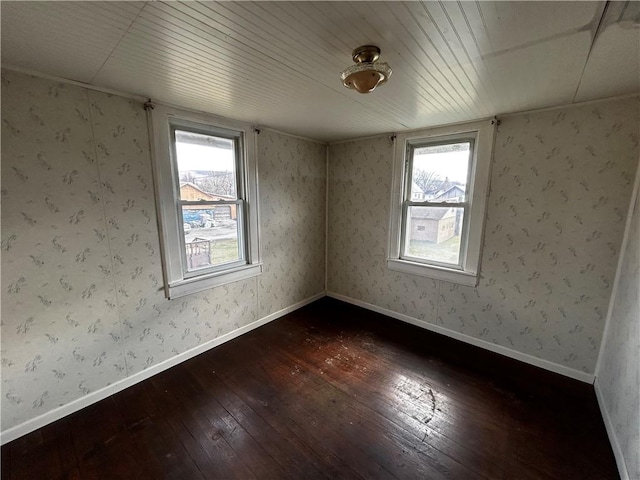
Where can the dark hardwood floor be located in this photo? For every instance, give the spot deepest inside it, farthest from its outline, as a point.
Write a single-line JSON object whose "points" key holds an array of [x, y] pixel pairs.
{"points": [[331, 391]]}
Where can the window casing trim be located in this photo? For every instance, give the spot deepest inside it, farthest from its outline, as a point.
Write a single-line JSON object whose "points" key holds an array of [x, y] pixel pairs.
{"points": [[176, 281], [477, 192]]}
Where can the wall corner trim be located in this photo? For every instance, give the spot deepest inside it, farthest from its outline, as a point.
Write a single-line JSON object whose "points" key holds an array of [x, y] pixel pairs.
{"points": [[492, 347], [611, 433], [94, 397]]}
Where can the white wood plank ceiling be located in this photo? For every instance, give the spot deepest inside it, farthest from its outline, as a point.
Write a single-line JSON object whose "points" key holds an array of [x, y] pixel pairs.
{"points": [[278, 63]]}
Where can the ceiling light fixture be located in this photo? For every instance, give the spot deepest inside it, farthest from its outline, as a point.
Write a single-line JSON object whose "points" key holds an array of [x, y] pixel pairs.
{"points": [[367, 73]]}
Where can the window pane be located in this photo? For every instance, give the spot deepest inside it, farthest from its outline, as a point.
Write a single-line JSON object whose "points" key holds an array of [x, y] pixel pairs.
{"points": [[433, 234], [211, 235], [440, 172], [206, 166]]}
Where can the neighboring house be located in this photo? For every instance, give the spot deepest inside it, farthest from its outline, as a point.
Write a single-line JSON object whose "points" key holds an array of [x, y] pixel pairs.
{"points": [[432, 224], [417, 194], [450, 193], [191, 192], [425, 229]]}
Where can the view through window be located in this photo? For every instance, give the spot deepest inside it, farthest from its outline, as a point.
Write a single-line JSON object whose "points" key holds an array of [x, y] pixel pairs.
{"points": [[210, 200], [436, 202]]}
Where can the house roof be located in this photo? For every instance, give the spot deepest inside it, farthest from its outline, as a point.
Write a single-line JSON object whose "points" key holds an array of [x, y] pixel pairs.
{"points": [[415, 188], [195, 187], [442, 193], [432, 213], [211, 196]]}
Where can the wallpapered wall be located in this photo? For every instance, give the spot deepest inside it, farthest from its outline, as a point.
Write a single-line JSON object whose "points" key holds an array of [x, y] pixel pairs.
{"points": [[561, 183], [619, 369], [82, 299]]}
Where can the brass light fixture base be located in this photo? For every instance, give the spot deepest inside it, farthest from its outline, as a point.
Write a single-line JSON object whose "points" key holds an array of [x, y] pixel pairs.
{"points": [[366, 53]]}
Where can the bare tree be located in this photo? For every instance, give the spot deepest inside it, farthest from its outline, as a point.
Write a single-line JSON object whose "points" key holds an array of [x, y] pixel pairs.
{"points": [[218, 183], [187, 177], [429, 182]]}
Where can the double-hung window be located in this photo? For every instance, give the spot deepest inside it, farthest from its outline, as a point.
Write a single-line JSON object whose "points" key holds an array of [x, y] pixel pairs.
{"points": [[205, 170], [440, 187]]}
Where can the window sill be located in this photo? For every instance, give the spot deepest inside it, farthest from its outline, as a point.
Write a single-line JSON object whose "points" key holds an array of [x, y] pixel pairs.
{"points": [[205, 282], [431, 271]]}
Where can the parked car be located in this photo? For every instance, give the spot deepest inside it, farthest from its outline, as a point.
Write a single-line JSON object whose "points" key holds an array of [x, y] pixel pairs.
{"points": [[199, 218], [186, 227]]}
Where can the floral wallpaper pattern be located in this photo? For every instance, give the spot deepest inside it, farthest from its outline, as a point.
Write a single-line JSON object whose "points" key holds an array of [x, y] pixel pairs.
{"points": [[619, 373], [292, 213], [561, 183], [82, 298]]}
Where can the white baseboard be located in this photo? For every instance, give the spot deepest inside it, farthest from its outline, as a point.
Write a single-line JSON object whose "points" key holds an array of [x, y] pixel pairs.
{"points": [[72, 407], [507, 352], [613, 438], [76, 405]]}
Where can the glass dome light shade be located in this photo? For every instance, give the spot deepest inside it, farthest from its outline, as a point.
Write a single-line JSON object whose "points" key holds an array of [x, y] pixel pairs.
{"points": [[365, 77]]}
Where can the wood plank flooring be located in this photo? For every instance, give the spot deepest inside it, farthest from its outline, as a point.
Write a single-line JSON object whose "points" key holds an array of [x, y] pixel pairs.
{"points": [[331, 391]]}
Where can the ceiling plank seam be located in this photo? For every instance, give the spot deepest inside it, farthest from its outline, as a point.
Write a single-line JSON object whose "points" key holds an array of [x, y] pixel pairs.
{"points": [[594, 39], [115, 47]]}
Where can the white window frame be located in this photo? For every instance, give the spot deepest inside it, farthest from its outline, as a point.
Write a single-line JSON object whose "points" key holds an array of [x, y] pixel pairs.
{"points": [[178, 280], [477, 191]]}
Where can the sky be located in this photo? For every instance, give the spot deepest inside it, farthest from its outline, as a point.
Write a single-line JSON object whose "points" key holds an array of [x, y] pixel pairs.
{"points": [[191, 156], [202, 157], [449, 164]]}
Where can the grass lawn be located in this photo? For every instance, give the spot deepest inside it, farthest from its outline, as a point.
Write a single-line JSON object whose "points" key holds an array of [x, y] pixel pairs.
{"points": [[446, 252], [223, 251]]}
